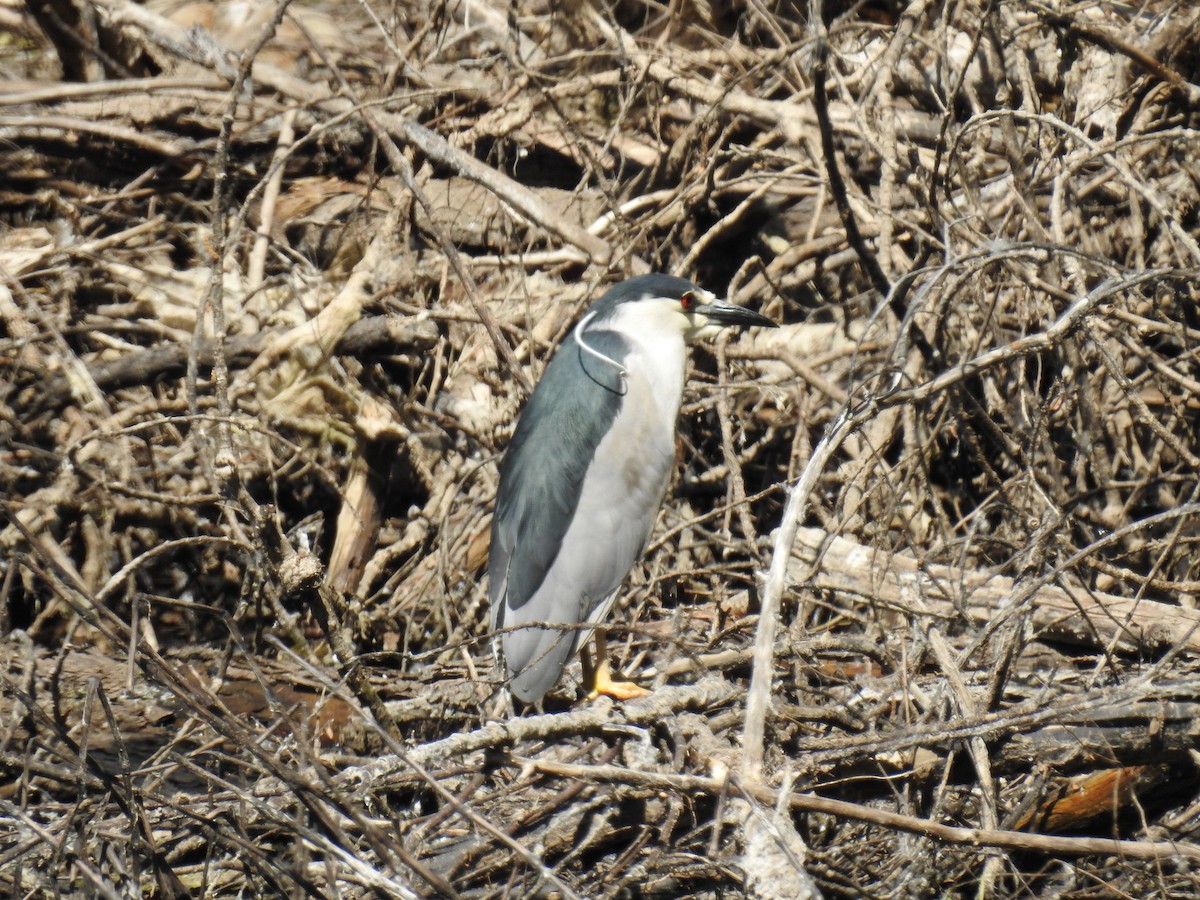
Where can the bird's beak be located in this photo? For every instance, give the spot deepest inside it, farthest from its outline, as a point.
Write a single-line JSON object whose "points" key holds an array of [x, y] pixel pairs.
{"points": [[723, 313]]}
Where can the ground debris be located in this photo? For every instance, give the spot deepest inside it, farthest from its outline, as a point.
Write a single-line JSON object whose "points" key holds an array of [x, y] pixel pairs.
{"points": [[274, 280]]}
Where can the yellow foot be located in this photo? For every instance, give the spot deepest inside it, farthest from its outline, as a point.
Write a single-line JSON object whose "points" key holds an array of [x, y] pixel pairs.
{"points": [[618, 690], [602, 683]]}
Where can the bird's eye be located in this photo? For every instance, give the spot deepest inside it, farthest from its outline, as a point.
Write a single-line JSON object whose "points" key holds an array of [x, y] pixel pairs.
{"points": [[688, 301]]}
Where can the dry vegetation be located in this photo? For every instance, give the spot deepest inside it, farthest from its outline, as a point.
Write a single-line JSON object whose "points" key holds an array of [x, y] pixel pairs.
{"points": [[273, 282]]}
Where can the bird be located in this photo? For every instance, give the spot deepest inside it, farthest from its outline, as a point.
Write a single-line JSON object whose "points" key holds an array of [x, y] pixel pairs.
{"points": [[585, 473]]}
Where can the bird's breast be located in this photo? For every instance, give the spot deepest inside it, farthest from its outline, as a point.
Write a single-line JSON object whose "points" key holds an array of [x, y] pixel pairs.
{"points": [[645, 428]]}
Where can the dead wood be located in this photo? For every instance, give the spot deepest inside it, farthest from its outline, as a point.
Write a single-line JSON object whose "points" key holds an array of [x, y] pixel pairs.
{"points": [[899, 588], [373, 336], [274, 280]]}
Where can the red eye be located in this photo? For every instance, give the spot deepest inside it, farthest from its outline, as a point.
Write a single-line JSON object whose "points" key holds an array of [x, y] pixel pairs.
{"points": [[687, 301]]}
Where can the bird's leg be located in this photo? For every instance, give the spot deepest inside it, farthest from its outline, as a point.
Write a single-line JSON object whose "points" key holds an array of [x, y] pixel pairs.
{"points": [[598, 677]]}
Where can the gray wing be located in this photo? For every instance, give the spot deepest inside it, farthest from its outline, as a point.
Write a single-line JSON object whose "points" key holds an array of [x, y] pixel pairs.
{"points": [[541, 478]]}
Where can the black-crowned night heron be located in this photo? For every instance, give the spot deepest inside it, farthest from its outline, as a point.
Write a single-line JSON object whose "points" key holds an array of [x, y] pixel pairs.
{"points": [[585, 474]]}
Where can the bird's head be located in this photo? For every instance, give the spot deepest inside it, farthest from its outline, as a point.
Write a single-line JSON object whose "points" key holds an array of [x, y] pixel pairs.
{"points": [[649, 305]]}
